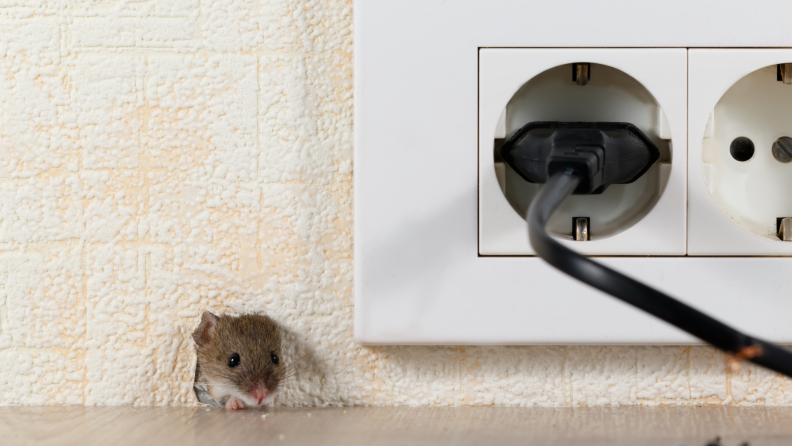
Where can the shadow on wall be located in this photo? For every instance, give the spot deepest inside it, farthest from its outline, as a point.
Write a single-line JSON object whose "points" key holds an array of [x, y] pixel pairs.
{"points": [[309, 380], [574, 376], [544, 376]]}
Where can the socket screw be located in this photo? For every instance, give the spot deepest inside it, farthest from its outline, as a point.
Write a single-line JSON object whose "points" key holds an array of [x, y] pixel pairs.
{"points": [[782, 149]]}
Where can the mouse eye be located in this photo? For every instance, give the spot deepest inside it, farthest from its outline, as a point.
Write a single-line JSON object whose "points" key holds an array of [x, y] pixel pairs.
{"points": [[234, 360], [275, 359]]}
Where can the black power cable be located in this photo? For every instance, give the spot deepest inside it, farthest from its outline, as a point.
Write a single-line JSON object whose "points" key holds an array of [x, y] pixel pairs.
{"points": [[560, 185]]}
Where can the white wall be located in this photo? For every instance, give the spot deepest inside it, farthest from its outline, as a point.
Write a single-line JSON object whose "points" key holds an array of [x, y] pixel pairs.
{"points": [[162, 157]]}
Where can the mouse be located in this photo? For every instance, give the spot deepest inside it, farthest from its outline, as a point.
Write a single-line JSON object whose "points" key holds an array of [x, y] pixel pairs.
{"points": [[239, 359]]}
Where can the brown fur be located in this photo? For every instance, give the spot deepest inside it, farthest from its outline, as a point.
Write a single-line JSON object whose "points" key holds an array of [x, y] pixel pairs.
{"points": [[253, 338]]}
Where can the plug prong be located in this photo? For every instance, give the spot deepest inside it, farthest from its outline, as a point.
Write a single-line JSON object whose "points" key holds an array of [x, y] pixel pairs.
{"points": [[785, 229], [581, 225]]}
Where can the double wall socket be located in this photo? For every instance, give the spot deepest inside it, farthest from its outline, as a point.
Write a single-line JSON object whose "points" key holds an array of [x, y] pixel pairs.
{"points": [[735, 206], [441, 247]]}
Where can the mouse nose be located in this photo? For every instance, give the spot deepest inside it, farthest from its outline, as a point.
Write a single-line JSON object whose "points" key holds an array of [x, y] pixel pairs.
{"points": [[259, 393]]}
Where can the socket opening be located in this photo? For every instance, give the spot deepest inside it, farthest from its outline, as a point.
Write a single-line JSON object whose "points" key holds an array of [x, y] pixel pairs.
{"points": [[607, 94], [752, 192]]}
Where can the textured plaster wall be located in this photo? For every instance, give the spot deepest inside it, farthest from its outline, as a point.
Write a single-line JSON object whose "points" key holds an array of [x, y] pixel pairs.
{"points": [[160, 157]]}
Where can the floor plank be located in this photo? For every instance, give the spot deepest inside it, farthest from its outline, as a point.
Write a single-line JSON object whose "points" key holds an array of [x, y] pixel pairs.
{"points": [[667, 426]]}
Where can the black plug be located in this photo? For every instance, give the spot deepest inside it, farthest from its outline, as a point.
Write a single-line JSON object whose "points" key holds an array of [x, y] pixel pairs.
{"points": [[600, 153]]}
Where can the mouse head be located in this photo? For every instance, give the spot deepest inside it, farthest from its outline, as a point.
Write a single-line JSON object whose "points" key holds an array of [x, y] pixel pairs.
{"points": [[240, 356]]}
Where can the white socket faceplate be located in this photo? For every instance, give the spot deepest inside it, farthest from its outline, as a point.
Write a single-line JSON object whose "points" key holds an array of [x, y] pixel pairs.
{"points": [[419, 278], [732, 205], [662, 72]]}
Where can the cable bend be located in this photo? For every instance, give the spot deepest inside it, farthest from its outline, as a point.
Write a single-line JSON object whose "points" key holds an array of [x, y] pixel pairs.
{"points": [[555, 191]]}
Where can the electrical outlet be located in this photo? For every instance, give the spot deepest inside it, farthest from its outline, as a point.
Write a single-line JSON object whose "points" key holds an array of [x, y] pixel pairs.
{"points": [[737, 200], [646, 87], [441, 253]]}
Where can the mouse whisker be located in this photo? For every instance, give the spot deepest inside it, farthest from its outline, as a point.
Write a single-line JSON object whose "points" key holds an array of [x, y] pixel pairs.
{"points": [[291, 365], [291, 375], [291, 370], [303, 356]]}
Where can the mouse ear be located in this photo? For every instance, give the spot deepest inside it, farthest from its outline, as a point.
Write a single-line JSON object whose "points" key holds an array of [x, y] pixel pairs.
{"points": [[206, 329]]}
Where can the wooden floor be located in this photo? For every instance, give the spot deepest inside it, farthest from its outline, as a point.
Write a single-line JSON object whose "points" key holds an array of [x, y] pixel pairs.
{"points": [[395, 426]]}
